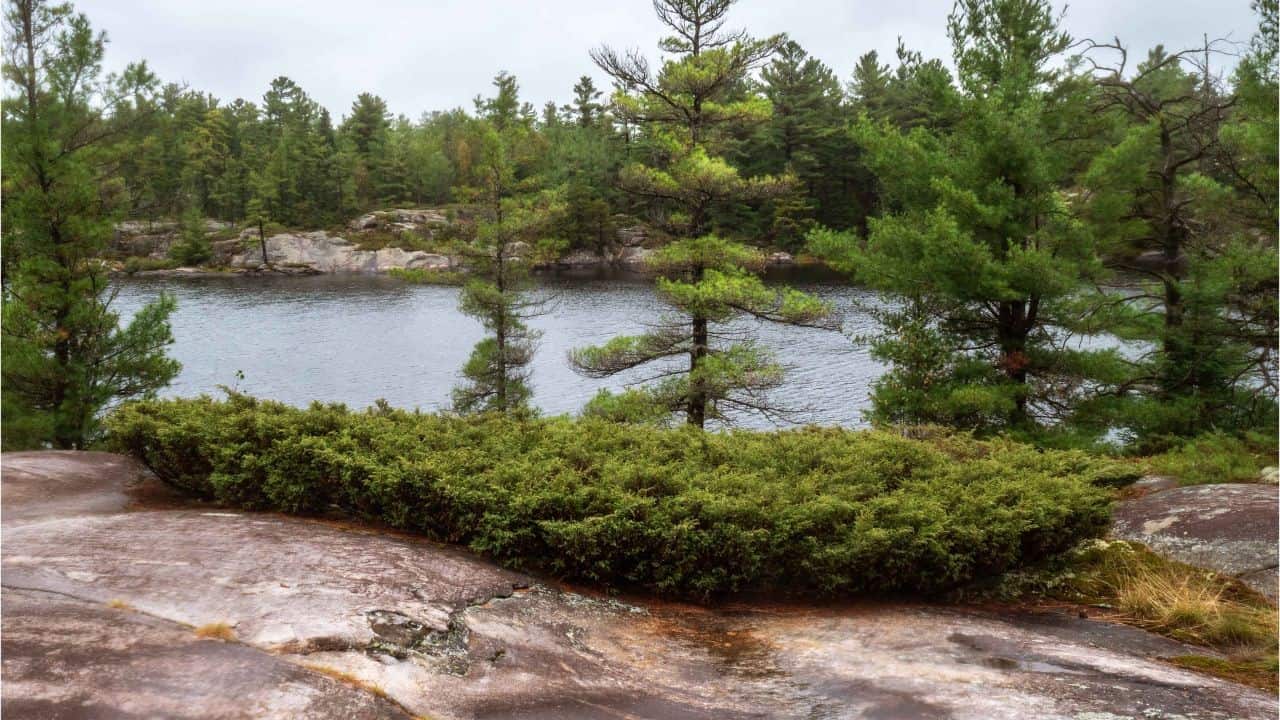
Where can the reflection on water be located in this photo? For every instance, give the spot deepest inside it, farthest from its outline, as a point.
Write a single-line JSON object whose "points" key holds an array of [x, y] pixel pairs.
{"points": [[357, 338]]}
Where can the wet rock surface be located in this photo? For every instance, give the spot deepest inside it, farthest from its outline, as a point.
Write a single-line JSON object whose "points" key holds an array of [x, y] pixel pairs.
{"points": [[1228, 528], [70, 658], [106, 574]]}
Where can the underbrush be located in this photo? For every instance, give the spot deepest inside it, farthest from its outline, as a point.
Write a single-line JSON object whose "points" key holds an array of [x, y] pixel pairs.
{"points": [[821, 511], [1217, 458], [430, 276], [141, 264], [379, 239], [1134, 585]]}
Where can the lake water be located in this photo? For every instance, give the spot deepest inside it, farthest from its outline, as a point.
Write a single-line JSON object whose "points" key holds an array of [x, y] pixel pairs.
{"points": [[358, 338]]}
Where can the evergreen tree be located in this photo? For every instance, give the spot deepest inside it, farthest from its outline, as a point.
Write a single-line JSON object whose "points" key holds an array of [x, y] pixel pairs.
{"points": [[368, 123], [65, 356], [208, 160], [499, 256], [503, 109], [869, 88], [978, 248], [1181, 183], [806, 137], [192, 247], [586, 106], [685, 108]]}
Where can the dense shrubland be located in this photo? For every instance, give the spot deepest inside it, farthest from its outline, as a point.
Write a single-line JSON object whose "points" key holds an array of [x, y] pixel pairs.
{"points": [[678, 511]]}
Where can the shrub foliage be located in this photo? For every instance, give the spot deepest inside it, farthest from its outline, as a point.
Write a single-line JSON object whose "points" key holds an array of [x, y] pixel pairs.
{"points": [[815, 510]]}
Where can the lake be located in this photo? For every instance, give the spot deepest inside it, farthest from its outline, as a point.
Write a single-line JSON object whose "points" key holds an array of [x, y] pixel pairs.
{"points": [[357, 338]]}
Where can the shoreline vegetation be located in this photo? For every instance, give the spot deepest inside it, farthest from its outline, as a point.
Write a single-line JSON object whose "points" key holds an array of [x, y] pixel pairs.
{"points": [[671, 510]]}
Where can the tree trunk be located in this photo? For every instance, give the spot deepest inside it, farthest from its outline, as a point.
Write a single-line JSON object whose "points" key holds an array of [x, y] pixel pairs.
{"points": [[697, 409], [1170, 238], [1015, 320], [697, 405], [262, 242]]}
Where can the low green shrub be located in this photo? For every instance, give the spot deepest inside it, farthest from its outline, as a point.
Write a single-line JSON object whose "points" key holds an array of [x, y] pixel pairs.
{"points": [[430, 276], [1216, 458], [140, 264], [405, 239], [815, 510]]}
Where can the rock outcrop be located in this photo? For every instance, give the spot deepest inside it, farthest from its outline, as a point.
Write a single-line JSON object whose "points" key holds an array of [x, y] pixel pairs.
{"points": [[110, 579], [322, 252], [327, 253], [146, 238], [399, 219], [1228, 528], [295, 252]]}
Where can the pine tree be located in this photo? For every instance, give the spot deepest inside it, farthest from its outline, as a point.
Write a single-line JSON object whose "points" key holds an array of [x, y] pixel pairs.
{"points": [[503, 109], [978, 247], [208, 158], [368, 123], [684, 108], [192, 247], [805, 135], [869, 87], [499, 257], [1183, 184], [65, 356], [586, 106]]}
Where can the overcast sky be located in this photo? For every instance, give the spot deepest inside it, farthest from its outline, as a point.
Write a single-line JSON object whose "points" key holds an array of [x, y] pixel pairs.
{"points": [[436, 54]]}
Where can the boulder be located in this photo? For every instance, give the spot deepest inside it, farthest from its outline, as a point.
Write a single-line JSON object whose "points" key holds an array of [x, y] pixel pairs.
{"points": [[326, 253], [400, 218], [634, 257], [1155, 261], [1227, 528], [108, 576], [146, 227], [368, 221], [632, 236], [581, 258], [781, 258], [153, 238]]}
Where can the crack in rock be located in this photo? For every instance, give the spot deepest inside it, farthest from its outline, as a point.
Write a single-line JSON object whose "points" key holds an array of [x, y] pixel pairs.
{"points": [[447, 643]]}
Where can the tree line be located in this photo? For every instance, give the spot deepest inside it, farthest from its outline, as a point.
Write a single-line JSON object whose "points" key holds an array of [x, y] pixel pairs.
{"points": [[996, 206]]}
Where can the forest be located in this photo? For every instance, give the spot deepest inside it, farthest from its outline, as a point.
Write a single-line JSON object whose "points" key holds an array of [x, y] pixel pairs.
{"points": [[1031, 190]]}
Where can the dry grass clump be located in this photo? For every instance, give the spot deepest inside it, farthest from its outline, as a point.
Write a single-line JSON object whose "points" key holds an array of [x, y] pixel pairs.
{"points": [[118, 604], [216, 631], [1193, 605], [1182, 602]]}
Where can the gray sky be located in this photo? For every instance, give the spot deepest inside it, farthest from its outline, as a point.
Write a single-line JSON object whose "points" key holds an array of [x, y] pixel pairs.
{"points": [[430, 55]]}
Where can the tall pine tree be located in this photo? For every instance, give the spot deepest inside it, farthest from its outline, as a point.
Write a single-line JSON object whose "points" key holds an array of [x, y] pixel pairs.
{"points": [[65, 355], [685, 108]]}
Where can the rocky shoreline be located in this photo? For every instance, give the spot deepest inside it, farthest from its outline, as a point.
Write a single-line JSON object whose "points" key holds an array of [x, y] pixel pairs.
{"points": [[319, 252]]}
